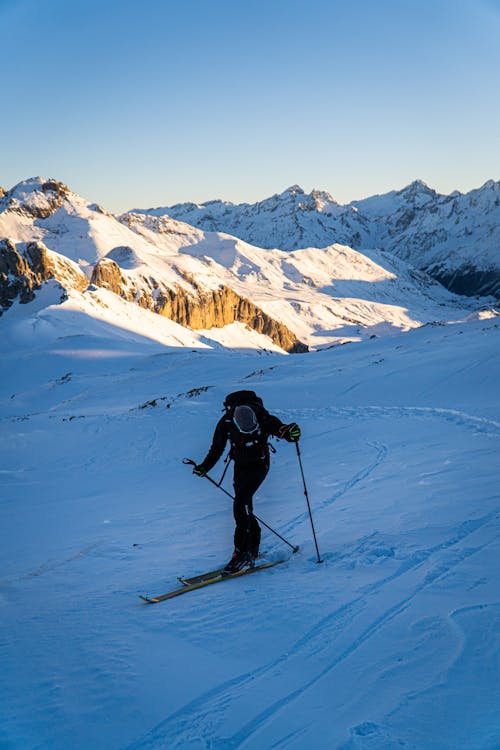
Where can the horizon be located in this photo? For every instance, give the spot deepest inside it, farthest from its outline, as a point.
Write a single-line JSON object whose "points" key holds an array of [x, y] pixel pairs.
{"points": [[45, 178], [159, 105]]}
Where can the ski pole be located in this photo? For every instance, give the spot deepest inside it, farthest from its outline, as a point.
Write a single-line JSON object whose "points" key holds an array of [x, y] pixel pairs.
{"points": [[307, 498], [294, 548]]}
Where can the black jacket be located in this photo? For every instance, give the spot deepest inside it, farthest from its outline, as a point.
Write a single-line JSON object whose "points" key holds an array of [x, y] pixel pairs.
{"points": [[245, 449]]}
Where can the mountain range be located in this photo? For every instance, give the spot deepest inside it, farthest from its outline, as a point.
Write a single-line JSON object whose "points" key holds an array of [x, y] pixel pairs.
{"points": [[212, 288], [455, 238]]}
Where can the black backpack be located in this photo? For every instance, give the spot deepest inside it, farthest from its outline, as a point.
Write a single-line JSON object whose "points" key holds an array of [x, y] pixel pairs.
{"points": [[242, 398], [257, 441]]}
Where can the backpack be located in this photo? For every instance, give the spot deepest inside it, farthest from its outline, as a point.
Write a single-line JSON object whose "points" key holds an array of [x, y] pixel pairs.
{"points": [[255, 443], [242, 398]]}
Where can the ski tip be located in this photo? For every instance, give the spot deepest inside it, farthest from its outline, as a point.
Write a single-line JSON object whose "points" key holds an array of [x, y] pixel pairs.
{"points": [[147, 599]]}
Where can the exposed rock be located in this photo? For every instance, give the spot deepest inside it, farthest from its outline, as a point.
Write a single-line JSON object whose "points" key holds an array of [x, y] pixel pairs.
{"points": [[196, 308], [99, 209], [54, 186], [108, 275], [222, 306], [23, 270], [14, 275]]}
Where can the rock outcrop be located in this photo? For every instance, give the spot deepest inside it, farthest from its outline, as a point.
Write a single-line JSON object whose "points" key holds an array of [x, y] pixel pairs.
{"points": [[25, 267], [107, 274], [194, 306]]}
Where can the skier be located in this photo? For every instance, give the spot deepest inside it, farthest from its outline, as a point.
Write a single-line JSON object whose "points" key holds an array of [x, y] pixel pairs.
{"points": [[247, 425]]}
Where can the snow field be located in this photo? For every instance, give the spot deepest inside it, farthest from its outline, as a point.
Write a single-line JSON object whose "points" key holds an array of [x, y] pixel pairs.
{"points": [[391, 642]]}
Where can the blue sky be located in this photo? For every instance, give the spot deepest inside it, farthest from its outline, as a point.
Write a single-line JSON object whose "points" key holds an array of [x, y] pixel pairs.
{"points": [[156, 102]]}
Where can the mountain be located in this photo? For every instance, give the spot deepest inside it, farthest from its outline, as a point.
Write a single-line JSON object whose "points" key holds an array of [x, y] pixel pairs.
{"points": [[47, 228], [289, 221], [455, 238], [207, 281]]}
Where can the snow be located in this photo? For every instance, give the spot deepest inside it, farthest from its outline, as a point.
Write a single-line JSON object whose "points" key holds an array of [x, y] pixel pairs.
{"points": [[391, 642]]}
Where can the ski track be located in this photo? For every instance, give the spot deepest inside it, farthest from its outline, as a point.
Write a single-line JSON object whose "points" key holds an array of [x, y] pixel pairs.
{"points": [[459, 418], [382, 451], [199, 721], [50, 565], [387, 736]]}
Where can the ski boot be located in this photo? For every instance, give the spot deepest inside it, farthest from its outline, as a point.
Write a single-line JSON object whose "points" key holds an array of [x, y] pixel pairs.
{"points": [[238, 561]]}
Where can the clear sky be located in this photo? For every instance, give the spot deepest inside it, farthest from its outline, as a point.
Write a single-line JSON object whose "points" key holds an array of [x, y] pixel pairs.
{"points": [[138, 104]]}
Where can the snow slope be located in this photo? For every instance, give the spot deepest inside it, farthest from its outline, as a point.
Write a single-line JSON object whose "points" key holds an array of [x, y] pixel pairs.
{"points": [[100, 316], [391, 642]]}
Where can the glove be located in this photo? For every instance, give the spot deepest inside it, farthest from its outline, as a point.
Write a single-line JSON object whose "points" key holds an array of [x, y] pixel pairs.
{"points": [[290, 432], [199, 470]]}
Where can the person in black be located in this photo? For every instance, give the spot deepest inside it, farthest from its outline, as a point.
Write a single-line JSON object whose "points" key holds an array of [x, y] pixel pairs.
{"points": [[248, 426]]}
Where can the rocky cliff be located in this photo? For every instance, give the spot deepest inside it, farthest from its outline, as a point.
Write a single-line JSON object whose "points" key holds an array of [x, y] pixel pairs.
{"points": [[26, 266], [192, 305]]}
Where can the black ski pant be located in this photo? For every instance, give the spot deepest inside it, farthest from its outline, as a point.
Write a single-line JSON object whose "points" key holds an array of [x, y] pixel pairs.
{"points": [[247, 479]]}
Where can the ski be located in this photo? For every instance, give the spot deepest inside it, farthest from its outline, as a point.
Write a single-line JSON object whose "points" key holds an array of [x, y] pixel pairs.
{"points": [[203, 576], [208, 581]]}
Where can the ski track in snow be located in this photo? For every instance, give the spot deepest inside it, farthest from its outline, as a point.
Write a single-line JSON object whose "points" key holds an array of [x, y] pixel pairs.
{"points": [[199, 721], [50, 565], [399, 730], [478, 424], [459, 418], [382, 451]]}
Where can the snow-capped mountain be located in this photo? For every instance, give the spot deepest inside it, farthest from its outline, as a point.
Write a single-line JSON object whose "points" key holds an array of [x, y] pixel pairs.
{"points": [[455, 238], [43, 219], [207, 280], [290, 221]]}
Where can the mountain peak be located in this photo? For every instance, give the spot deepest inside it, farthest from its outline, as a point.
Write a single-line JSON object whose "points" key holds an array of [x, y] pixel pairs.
{"points": [[490, 185], [35, 197], [293, 190], [417, 192], [318, 199], [418, 186], [23, 190]]}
